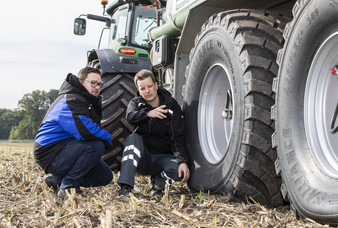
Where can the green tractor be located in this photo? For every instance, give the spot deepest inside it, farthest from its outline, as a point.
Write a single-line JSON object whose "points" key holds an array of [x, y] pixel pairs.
{"points": [[257, 81], [128, 52]]}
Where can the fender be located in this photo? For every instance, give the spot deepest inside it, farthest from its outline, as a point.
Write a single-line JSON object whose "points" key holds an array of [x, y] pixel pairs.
{"points": [[111, 62]]}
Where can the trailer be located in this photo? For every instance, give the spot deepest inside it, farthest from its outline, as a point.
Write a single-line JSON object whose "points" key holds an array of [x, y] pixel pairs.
{"points": [[257, 81]]}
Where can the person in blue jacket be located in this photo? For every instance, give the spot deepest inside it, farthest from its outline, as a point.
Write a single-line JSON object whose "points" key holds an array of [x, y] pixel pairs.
{"points": [[70, 141]]}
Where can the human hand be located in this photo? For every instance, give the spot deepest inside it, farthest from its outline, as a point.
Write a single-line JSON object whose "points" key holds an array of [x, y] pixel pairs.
{"points": [[159, 112], [183, 168]]}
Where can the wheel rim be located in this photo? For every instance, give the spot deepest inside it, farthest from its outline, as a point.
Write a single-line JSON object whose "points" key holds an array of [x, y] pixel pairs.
{"points": [[321, 96], [214, 131]]}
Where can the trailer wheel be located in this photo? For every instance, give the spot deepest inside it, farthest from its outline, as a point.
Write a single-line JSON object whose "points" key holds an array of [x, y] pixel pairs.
{"points": [[227, 102], [306, 111]]}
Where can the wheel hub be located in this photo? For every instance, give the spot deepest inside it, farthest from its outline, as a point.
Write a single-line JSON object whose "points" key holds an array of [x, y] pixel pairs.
{"points": [[321, 108], [215, 114]]}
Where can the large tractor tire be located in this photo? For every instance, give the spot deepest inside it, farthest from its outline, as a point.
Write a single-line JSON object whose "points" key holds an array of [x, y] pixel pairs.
{"points": [[227, 102], [117, 91], [306, 111]]}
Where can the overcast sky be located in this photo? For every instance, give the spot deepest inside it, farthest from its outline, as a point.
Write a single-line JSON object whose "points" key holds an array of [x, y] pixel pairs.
{"points": [[37, 45]]}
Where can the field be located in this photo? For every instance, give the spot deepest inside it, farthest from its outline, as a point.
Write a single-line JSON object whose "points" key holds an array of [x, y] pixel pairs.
{"points": [[26, 202]]}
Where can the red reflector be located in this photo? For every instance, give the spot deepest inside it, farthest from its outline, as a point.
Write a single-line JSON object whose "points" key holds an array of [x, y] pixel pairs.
{"points": [[127, 51], [147, 7]]}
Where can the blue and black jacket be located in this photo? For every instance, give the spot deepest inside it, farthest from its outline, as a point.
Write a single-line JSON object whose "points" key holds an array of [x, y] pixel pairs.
{"points": [[75, 114]]}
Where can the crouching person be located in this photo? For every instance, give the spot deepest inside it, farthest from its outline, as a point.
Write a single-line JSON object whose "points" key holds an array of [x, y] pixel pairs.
{"points": [[70, 142], [157, 147]]}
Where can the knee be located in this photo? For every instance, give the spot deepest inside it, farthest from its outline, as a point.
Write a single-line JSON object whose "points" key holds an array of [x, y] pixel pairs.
{"points": [[96, 148], [99, 146], [106, 173], [135, 142], [108, 178], [172, 172], [134, 137]]}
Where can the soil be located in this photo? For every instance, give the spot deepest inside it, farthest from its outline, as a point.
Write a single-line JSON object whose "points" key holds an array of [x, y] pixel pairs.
{"points": [[25, 201]]}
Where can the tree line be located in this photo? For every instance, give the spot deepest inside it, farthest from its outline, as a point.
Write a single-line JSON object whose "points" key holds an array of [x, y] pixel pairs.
{"points": [[23, 122]]}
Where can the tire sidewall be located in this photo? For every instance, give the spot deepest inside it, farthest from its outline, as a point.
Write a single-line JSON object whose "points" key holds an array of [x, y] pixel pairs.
{"points": [[214, 47], [309, 189]]}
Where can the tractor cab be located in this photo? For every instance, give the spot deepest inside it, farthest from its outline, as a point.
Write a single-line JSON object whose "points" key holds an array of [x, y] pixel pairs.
{"points": [[131, 23], [128, 23]]}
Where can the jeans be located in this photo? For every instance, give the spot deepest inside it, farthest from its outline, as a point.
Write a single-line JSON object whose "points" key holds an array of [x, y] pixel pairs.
{"points": [[79, 163], [162, 167]]}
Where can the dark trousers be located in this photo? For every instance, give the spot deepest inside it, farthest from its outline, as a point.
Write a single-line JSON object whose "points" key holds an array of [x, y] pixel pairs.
{"points": [[79, 163], [162, 167]]}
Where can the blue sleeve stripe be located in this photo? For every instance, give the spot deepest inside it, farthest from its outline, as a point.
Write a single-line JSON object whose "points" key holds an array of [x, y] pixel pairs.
{"points": [[66, 120], [95, 129]]}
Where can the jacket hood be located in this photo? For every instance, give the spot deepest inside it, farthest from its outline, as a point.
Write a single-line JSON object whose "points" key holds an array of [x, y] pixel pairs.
{"points": [[73, 85]]}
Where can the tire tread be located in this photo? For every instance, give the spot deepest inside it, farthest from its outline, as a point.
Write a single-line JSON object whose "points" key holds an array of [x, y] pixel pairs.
{"points": [[258, 36]]}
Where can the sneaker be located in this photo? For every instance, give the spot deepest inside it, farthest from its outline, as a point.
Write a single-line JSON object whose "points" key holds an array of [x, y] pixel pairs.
{"points": [[125, 190], [156, 192], [65, 192], [49, 179], [152, 182]]}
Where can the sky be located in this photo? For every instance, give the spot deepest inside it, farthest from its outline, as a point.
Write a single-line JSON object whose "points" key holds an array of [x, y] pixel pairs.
{"points": [[37, 45]]}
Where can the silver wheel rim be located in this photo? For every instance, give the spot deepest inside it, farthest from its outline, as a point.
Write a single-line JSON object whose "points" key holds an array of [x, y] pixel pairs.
{"points": [[321, 97], [214, 131]]}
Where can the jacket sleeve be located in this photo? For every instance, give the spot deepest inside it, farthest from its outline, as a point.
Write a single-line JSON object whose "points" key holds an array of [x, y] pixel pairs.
{"points": [[137, 112], [177, 134], [75, 118]]}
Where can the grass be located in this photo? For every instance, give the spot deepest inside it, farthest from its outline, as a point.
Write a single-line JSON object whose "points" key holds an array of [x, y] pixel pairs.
{"points": [[25, 201], [17, 144]]}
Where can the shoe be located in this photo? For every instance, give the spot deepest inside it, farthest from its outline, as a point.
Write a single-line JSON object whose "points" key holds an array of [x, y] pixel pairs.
{"points": [[64, 192], [151, 182], [156, 192], [125, 190], [49, 179]]}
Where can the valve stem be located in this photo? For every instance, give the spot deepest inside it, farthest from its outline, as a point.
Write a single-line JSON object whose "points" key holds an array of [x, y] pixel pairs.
{"points": [[334, 71]]}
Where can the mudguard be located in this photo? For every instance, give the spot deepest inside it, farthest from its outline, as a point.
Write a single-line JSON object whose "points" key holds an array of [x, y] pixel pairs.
{"points": [[111, 62]]}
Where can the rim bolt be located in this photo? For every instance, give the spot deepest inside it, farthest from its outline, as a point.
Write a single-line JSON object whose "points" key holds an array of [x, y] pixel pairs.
{"points": [[227, 114]]}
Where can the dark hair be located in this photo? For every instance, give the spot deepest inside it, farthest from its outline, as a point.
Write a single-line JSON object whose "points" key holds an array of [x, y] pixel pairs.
{"points": [[143, 74], [83, 73]]}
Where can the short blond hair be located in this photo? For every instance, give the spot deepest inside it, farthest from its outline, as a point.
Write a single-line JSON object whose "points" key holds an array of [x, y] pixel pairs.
{"points": [[143, 74]]}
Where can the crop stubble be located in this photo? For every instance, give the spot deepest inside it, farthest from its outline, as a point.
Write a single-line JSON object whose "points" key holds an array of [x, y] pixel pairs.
{"points": [[25, 201]]}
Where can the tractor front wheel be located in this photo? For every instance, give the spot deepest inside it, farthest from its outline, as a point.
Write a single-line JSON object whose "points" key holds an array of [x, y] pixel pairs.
{"points": [[116, 93]]}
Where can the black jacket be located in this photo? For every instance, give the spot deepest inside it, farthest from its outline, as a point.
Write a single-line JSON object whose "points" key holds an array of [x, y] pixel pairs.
{"points": [[75, 114], [160, 136]]}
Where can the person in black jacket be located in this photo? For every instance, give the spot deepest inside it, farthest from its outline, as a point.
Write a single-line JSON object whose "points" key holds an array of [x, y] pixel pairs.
{"points": [[70, 141], [157, 146]]}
